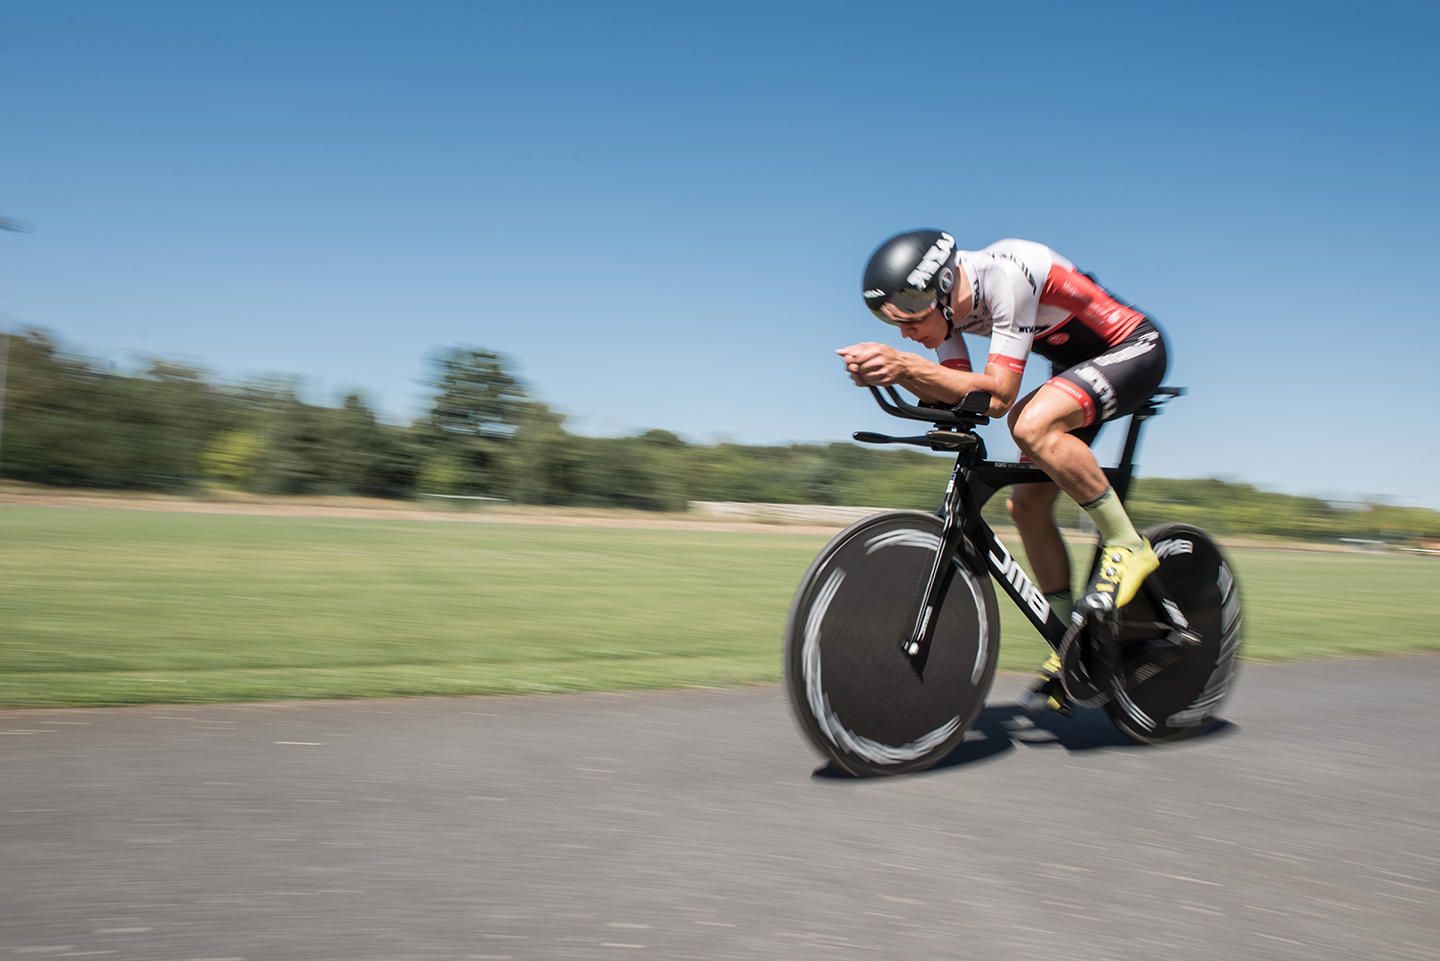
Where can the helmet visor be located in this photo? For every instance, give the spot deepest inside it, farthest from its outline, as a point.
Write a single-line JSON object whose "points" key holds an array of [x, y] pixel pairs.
{"points": [[906, 299]]}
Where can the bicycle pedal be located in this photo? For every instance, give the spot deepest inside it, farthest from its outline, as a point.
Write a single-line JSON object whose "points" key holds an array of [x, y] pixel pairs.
{"points": [[1183, 637], [1046, 696]]}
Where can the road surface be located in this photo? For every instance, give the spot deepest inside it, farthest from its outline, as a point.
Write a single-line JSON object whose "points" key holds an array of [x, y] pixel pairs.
{"points": [[694, 825]]}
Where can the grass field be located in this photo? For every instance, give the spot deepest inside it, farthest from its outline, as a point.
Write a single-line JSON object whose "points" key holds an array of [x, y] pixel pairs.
{"points": [[114, 607]]}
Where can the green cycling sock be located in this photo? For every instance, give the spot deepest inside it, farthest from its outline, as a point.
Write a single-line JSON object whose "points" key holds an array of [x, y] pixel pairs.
{"points": [[1113, 523], [1062, 603]]}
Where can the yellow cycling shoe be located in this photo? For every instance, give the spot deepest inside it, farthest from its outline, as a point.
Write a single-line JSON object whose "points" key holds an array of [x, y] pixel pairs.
{"points": [[1122, 571], [1046, 692]]}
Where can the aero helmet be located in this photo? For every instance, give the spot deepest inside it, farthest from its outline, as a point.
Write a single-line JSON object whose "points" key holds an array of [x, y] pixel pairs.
{"points": [[907, 270]]}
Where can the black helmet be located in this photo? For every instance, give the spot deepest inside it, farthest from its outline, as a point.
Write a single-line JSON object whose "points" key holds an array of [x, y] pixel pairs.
{"points": [[907, 270]]}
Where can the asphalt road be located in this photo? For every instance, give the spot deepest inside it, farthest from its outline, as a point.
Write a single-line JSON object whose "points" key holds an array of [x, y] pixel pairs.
{"points": [[693, 824]]}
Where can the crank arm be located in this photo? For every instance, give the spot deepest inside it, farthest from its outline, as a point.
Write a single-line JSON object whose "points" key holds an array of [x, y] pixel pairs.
{"points": [[1183, 637], [1181, 634]]}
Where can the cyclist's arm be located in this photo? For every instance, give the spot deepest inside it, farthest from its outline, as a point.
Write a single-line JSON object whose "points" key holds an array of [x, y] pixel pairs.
{"points": [[880, 365], [930, 381]]}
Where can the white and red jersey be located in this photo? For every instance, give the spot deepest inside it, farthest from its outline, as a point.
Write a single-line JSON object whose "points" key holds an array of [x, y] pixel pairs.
{"points": [[1029, 299]]}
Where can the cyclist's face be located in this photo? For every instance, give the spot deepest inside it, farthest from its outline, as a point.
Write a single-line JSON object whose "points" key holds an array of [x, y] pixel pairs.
{"points": [[928, 329]]}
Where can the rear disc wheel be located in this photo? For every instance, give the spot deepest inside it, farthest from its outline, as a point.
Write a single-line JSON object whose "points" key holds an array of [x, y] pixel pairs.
{"points": [[1165, 692]]}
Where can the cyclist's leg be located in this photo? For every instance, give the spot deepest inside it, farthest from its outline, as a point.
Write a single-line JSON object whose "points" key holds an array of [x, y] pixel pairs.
{"points": [[1042, 423], [1043, 431], [1108, 386], [1032, 508]]}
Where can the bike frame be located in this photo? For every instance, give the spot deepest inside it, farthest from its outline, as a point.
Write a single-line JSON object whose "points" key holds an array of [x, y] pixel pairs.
{"points": [[973, 482]]}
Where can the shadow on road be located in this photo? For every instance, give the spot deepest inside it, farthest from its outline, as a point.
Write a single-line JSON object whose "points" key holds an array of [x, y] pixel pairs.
{"points": [[1000, 727]]}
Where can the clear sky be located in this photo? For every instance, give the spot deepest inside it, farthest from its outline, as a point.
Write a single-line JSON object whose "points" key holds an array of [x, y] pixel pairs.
{"points": [[660, 211]]}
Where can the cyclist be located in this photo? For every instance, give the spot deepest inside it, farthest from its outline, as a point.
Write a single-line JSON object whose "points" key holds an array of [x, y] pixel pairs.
{"points": [[1106, 357]]}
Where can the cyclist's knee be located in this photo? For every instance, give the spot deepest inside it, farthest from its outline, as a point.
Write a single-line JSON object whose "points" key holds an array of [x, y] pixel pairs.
{"points": [[1049, 415], [1030, 430], [1021, 512]]}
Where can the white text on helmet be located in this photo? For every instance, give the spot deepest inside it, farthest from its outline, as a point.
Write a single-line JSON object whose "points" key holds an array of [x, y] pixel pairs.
{"points": [[938, 253]]}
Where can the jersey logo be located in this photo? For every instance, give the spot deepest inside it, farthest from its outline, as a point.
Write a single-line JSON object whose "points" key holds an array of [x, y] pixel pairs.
{"points": [[937, 254], [1057, 339], [1034, 287]]}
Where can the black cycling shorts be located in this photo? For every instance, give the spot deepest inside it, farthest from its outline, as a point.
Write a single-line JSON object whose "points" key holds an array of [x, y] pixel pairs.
{"points": [[1117, 382]]}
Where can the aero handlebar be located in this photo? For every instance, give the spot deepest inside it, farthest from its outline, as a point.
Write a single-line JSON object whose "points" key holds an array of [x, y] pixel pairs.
{"points": [[970, 411]]}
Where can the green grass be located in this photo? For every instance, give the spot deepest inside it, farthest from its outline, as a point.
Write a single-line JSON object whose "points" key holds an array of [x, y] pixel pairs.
{"points": [[1300, 605], [114, 607]]}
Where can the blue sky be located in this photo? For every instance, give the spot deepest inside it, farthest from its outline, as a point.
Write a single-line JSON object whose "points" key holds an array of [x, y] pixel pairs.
{"points": [[660, 212]]}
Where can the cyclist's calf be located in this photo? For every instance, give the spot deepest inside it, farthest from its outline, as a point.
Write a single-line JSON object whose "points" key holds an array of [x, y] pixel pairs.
{"points": [[1029, 503], [1031, 506]]}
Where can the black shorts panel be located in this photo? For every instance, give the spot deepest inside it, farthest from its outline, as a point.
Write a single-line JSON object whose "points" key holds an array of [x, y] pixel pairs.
{"points": [[1118, 381]]}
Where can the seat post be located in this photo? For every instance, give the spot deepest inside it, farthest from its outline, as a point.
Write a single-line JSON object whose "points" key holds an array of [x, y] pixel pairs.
{"points": [[1126, 467]]}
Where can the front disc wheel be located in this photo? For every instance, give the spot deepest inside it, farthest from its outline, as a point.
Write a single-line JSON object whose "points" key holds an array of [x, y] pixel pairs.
{"points": [[854, 690]]}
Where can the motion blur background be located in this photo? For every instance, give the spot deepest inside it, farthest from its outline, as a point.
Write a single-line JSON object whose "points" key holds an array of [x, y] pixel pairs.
{"points": [[293, 265], [657, 213]]}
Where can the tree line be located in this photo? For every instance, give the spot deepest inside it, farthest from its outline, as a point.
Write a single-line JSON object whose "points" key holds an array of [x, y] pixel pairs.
{"points": [[167, 426]]}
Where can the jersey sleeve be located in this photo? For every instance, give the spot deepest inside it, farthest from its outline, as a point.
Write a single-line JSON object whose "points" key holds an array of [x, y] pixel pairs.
{"points": [[953, 353], [1013, 303]]}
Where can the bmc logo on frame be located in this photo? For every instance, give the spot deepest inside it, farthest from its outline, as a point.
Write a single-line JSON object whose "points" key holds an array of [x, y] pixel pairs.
{"points": [[1008, 569]]}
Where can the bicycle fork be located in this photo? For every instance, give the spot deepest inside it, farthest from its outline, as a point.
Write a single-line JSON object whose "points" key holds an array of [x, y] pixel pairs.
{"points": [[917, 646], [960, 519], [959, 515]]}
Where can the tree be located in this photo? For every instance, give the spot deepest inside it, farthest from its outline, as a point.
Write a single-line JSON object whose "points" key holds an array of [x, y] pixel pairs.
{"points": [[234, 457], [478, 410], [545, 462], [71, 423], [477, 396]]}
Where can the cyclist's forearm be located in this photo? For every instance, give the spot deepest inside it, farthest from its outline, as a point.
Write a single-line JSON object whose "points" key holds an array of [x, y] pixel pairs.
{"points": [[932, 382]]}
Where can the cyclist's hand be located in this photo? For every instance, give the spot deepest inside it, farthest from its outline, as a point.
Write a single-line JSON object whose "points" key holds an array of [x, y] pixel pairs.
{"points": [[873, 365]]}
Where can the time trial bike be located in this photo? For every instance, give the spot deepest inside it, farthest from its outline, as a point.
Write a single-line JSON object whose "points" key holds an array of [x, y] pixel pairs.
{"points": [[893, 636]]}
